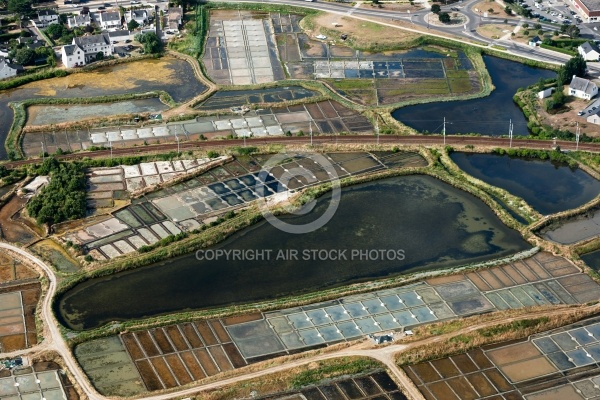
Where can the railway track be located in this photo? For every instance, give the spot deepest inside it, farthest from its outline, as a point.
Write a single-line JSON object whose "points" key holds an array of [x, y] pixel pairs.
{"points": [[421, 140]]}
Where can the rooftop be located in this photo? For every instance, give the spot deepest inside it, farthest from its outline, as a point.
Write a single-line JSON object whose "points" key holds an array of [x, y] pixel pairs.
{"points": [[582, 84], [102, 38], [591, 5], [588, 47]]}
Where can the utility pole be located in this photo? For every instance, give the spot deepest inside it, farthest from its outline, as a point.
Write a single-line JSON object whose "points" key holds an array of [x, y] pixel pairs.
{"points": [[110, 144], [311, 132], [377, 129], [577, 138], [444, 131], [510, 132], [43, 152]]}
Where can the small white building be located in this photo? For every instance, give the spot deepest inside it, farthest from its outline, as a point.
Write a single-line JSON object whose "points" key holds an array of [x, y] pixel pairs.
{"points": [[546, 93], [79, 20], [140, 16], [93, 44], [535, 41], [594, 119], [110, 20], [8, 70], [72, 56], [588, 51], [46, 17], [582, 88]]}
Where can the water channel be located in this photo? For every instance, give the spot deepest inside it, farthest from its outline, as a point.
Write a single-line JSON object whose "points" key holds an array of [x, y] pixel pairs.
{"points": [[432, 223], [546, 186], [487, 115]]}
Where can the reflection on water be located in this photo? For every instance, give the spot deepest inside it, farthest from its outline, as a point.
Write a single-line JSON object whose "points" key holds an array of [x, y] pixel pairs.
{"points": [[487, 115], [434, 224], [592, 260], [547, 186]]}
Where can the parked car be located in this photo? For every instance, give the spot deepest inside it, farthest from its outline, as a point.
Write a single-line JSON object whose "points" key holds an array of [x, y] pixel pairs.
{"points": [[580, 113], [128, 41], [454, 8]]}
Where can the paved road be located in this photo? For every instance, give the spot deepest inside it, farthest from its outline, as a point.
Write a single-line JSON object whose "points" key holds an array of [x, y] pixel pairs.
{"points": [[53, 339]]}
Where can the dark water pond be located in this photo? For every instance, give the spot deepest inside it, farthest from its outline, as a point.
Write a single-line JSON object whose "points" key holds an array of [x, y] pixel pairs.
{"points": [[488, 115], [548, 187], [236, 98], [592, 260], [435, 224], [118, 79]]}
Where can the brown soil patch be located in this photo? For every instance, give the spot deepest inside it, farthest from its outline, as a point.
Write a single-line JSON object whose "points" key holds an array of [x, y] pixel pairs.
{"points": [[11, 271], [514, 353], [498, 10], [494, 31], [523, 370], [124, 76], [568, 120], [361, 34], [13, 231]]}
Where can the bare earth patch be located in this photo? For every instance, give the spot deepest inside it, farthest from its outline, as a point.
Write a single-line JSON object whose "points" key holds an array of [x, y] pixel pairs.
{"points": [[361, 34], [395, 7], [494, 31], [497, 9], [568, 120]]}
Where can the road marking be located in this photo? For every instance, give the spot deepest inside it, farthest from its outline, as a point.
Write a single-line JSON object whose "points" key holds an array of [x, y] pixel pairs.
{"points": [[358, 4]]}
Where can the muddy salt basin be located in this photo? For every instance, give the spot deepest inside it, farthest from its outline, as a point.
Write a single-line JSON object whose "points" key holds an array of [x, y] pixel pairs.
{"points": [[56, 114]]}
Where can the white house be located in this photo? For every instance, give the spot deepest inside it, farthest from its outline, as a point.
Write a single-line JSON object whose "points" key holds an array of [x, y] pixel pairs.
{"points": [[72, 56], [582, 88], [110, 20], [8, 70], [594, 119], [140, 16], [92, 45], [118, 36], [46, 17], [588, 51], [535, 41], [79, 20], [545, 93]]}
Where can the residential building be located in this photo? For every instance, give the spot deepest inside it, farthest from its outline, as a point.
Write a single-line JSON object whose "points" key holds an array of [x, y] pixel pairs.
{"points": [[8, 70], [93, 44], [535, 41], [118, 36], [588, 51], [79, 20], [175, 18], [582, 88], [46, 17], [110, 20], [140, 16], [594, 118], [72, 56]]}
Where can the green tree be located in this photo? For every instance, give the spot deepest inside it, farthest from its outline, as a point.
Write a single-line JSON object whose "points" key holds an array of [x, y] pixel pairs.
{"points": [[132, 25], [508, 10], [20, 7], [152, 43], [55, 31], [444, 17], [573, 31], [537, 26], [575, 66], [436, 8], [99, 56], [24, 56]]}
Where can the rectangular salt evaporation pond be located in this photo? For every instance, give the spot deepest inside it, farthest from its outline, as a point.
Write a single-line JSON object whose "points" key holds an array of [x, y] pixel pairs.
{"points": [[56, 114]]}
